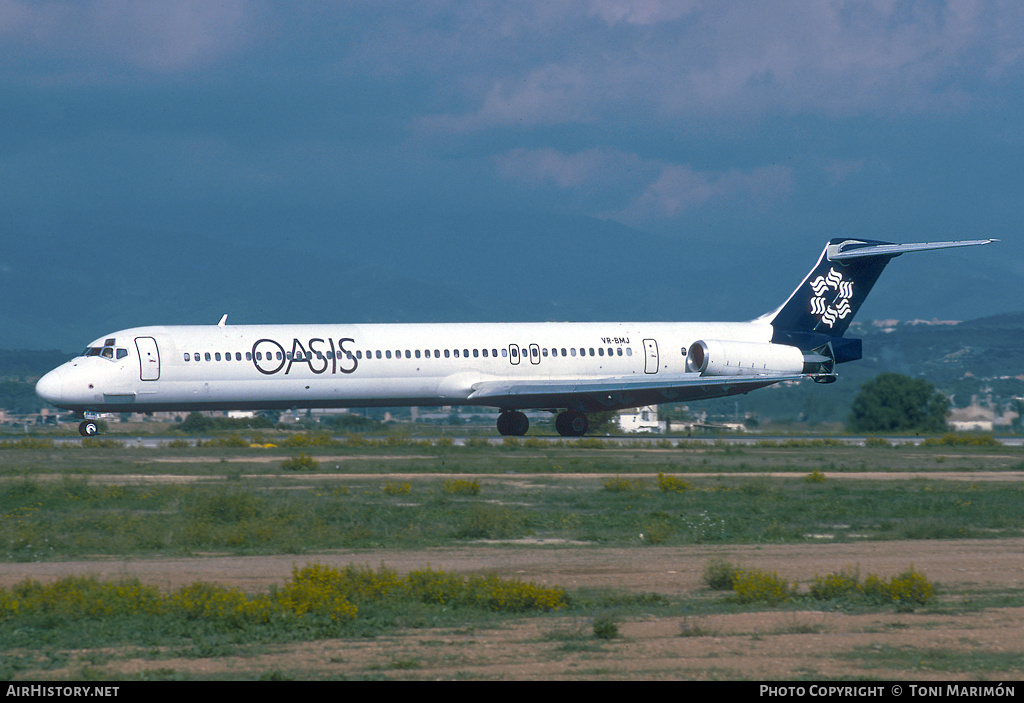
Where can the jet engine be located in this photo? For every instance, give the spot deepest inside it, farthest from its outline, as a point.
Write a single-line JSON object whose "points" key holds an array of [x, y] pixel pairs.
{"points": [[720, 358]]}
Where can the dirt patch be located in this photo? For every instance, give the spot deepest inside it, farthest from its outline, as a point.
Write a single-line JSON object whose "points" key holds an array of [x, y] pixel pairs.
{"points": [[960, 644]]}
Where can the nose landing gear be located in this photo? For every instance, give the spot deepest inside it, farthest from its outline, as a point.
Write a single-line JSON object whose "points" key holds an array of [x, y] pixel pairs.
{"points": [[89, 428]]}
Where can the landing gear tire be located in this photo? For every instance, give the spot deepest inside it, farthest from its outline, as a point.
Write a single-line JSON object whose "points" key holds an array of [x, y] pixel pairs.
{"points": [[571, 424], [89, 428], [513, 424]]}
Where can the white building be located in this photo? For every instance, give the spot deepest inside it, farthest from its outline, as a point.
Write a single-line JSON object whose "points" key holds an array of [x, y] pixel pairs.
{"points": [[643, 419]]}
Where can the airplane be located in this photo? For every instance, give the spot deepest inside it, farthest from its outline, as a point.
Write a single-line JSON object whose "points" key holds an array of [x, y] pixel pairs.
{"points": [[568, 368]]}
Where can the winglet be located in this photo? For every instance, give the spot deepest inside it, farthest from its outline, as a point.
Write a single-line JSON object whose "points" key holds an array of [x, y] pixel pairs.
{"points": [[223, 320], [849, 250]]}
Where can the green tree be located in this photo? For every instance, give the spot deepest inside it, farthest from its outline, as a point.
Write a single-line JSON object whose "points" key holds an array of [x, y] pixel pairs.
{"points": [[892, 402]]}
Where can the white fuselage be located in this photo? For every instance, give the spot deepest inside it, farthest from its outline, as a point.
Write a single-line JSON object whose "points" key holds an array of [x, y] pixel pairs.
{"points": [[283, 366]]}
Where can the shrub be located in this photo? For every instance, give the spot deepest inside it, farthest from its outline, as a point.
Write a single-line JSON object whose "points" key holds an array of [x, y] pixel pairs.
{"points": [[836, 586], [906, 589], [231, 440], [309, 439], [621, 485], [954, 440], [672, 484], [491, 522], [756, 586], [462, 486], [605, 627], [397, 488], [815, 477], [482, 591], [302, 462], [720, 575]]}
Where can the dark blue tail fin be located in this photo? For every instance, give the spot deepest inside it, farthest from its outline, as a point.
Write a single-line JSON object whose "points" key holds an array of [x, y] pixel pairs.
{"points": [[822, 307]]}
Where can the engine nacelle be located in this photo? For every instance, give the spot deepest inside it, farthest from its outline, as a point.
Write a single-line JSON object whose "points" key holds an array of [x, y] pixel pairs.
{"points": [[719, 358]]}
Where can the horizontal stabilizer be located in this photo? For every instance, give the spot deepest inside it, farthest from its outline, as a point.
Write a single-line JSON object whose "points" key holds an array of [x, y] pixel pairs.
{"points": [[849, 250]]}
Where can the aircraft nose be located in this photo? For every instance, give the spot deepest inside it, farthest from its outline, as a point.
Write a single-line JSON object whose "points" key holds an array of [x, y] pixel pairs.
{"points": [[50, 387]]}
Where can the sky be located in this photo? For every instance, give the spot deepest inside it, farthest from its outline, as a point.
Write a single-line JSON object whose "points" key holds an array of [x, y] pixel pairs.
{"points": [[155, 130]]}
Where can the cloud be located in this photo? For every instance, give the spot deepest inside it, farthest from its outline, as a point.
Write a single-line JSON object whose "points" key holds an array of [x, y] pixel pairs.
{"points": [[646, 190], [679, 189], [150, 35], [588, 168], [704, 60]]}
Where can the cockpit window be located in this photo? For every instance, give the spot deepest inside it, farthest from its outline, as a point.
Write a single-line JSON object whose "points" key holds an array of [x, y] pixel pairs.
{"points": [[107, 352]]}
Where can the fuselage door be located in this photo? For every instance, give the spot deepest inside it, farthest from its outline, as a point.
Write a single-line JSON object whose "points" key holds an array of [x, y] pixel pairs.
{"points": [[513, 353], [535, 354], [149, 358], [650, 356]]}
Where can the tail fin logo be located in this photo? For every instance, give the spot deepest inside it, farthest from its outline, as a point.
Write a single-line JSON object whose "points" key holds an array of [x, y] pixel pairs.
{"points": [[838, 308]]}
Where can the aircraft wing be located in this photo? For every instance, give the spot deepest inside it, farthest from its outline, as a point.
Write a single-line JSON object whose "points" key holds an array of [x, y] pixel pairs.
{"points": [[617, 392]]}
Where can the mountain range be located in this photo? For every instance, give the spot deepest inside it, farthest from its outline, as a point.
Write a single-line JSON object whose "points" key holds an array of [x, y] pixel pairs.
{"points": [[434, 267]]}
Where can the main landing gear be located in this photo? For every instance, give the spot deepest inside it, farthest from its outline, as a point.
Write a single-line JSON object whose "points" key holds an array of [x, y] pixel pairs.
{"points": [[571, 424], [512, 423], [89, 428]]}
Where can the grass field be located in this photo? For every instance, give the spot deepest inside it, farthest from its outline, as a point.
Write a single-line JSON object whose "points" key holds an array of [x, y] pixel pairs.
{"points": [[109, 499], [68, 501]]}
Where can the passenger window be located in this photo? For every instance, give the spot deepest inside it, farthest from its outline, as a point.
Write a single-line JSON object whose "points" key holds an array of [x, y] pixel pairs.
{"points": [[186, 356], [447, 353], [207, 355]]}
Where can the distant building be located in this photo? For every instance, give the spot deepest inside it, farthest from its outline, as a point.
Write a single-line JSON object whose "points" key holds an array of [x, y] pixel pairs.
{"points": [[643, 419]]}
